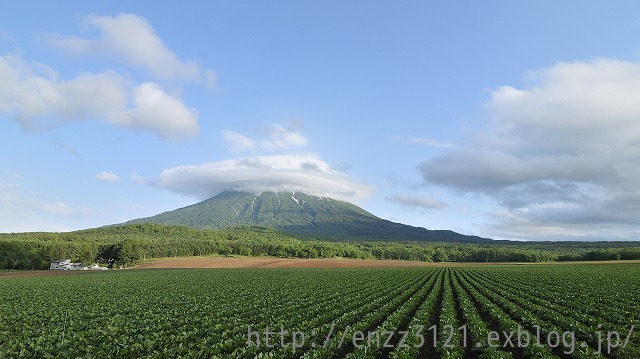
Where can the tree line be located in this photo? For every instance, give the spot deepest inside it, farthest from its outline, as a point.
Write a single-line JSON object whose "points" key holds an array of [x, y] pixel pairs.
{"points": [[119, 247]]}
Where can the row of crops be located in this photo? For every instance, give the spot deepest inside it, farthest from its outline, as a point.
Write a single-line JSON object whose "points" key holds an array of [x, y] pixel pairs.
{"points": [[555, 311]]}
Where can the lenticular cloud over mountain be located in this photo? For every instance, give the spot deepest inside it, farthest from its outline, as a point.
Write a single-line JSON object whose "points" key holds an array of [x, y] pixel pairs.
{"points": [[277, 173]]}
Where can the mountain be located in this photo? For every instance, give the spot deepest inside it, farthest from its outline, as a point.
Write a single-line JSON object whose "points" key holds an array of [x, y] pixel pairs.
{"points": [[300, 214]]}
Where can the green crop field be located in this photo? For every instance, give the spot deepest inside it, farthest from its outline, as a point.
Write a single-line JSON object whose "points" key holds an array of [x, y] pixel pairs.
{"points": [[563, 311]]}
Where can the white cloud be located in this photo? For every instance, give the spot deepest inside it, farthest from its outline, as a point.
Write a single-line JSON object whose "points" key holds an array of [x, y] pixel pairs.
{"points": [[560, 156], [277, 138], [159, 112], [34, 95], [137, 179], [423, 202], [292, 173], [107, 177], [131, 38], [34, 91], [58, 208], [237, 142], [26, 210], [283, 138], [4, 185]]}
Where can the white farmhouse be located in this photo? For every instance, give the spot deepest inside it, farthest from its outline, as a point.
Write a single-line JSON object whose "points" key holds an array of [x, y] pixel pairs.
{"points": [[66, 264], [61, 264]]}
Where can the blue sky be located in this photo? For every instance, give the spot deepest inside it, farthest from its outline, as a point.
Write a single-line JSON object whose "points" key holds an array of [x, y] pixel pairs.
{"points": [[503, 119]]}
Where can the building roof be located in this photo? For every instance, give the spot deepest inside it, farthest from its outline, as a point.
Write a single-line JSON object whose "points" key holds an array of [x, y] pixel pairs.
{"points": [[61, 260]]}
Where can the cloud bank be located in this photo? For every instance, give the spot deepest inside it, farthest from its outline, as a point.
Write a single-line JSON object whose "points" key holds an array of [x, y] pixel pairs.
{"points": [[34, 95], [37, 96], [560, 158], [107, 177], [58, 208], [412, 201], [131, 39], [158, 111], [276, 137], [23, 210], [291, 173]]}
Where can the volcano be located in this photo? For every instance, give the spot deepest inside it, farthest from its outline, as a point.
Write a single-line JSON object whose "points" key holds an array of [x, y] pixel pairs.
{"points": [[299, 214]]}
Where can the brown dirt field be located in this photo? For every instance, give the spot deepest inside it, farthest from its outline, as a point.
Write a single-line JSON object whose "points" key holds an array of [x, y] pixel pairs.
{"points": [[271, 262]]}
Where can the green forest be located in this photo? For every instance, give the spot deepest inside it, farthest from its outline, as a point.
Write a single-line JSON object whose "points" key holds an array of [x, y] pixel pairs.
{"points": [[124, 246]]}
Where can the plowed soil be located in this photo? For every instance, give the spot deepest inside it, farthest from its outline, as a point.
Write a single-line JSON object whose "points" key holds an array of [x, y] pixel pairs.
{"points": [[269, 262]]}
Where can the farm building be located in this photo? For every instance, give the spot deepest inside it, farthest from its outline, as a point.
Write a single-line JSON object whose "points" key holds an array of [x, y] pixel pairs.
{"points": [[66, 264], [62, 264]]}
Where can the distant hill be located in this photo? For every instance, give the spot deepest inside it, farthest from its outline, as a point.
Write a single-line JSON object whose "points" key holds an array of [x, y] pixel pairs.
{"points": [[300, 214]]}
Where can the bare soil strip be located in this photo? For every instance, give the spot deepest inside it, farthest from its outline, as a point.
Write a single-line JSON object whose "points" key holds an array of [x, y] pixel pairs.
{"points": [[270, 262], [274, 262]]}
